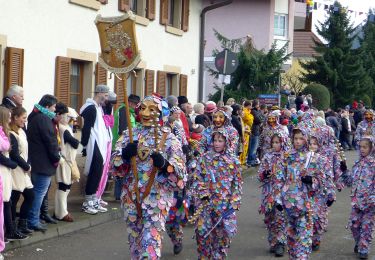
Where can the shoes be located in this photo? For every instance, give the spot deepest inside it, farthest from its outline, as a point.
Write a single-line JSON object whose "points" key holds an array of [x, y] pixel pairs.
{"points": [[177, 249], [103, 203], [16, 236], [88, 207], [40, 227], [6, 241], [1, 257], [68, 218], [22, 227], [48, 219], [356, 249], [99, 207], [363, 256], [272, 249], [315, 247], [279, 250]]}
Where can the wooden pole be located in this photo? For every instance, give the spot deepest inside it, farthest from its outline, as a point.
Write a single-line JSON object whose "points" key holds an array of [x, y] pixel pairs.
{"points": [[133, 159]]}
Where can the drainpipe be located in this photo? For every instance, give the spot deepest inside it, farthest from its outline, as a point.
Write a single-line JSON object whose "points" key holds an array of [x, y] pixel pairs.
{"points": [[201, 41]]}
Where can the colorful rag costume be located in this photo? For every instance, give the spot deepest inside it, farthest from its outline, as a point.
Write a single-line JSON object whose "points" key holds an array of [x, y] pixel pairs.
{"points": [[271, 174], [217, 180], [361, 179], [365, 128], [206, 142], [155, 186], [297, 199]]}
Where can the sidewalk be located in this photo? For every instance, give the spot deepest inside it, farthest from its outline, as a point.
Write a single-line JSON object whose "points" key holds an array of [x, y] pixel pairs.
{"points": [[81, 221]]}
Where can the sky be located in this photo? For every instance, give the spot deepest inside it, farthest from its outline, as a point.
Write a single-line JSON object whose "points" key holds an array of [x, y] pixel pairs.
{"points": [[358, 5]]}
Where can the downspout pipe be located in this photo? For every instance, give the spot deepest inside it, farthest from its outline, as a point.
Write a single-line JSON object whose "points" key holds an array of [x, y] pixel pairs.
{"points": [[201, 41]]}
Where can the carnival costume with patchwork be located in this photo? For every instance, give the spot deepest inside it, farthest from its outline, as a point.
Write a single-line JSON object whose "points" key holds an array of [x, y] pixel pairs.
{"points": [[272, 126], [206, 142], [271, 174], [361, 179], [160, 170], [366, 127], [302, 179], [217, 185]]}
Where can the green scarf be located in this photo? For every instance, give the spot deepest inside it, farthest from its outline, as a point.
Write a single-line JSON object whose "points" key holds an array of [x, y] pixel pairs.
{"points": [[45, 111]]}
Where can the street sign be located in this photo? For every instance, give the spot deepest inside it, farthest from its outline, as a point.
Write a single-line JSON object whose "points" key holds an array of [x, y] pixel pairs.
{"points": [[269, 99], [226, 62]]}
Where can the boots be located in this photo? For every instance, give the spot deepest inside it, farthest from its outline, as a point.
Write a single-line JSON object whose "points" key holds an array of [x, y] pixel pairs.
{"points": [[22, 227], [44, 212], [61, 204]]}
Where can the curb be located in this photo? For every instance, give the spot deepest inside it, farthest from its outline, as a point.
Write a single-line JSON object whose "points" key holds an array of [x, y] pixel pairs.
{"points": [[62, 228]]}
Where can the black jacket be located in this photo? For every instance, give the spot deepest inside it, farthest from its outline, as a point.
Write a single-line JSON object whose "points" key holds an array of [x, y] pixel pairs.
{"points": [[43, 148], [236, 122], [8, 103], [257, 123]]}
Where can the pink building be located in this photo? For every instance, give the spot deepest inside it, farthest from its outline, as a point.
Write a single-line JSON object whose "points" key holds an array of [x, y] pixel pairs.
{"points": [[266, 21]]}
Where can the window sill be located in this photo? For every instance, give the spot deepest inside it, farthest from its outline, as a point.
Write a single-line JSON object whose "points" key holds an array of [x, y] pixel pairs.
{"points": [[92, 4], [141, 20], [173, 30]]}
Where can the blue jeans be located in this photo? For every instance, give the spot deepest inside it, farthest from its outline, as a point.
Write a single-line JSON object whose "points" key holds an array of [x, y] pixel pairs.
{"points": [[41, 183], [118, 188], [252, 155]]}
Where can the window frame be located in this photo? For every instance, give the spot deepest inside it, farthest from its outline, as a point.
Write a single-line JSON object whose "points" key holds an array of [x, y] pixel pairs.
{"points": [[81, 78], [277, 29]]}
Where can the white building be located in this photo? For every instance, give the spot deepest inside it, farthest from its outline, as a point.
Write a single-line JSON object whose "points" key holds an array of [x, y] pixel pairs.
{"points": [[51, 47]]}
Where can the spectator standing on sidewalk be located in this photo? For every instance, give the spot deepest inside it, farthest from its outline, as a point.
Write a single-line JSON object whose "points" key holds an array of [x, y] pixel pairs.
{"points": [[21, 180], [252, 159], [43, 154], [13, 97], [95, 139]]}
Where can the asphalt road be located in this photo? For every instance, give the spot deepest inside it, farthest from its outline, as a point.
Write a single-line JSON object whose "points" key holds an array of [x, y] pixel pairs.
{"points": [[109, 241]]}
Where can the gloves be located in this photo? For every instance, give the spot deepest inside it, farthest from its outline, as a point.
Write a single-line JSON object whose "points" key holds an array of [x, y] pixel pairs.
{"points": [[185, 149], [329, 203], [343, 166], [306, 179], [266, 174], [205, 198], [279, 207], [159, 161], [130, 150], [84, 153]]}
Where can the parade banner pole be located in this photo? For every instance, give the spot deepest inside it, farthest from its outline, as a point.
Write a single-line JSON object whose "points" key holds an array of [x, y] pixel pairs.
{"points": [[120, 55]]}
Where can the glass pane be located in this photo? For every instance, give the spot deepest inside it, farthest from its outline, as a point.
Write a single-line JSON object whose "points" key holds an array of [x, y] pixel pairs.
{"points": [[170, 12], [75, 81], [276, 21], [133, 6], [282, 22], [74, 102]]}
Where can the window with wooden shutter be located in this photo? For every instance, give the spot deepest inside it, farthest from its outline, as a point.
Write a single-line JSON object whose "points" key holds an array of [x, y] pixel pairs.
{"points": [[100, 75], [161, 83], [185, 15], [164, 10], [62, 79], [13, 70], [150, 9], [183, 85], [123, 5], [103, 2], [149, 85], [119, 90]]}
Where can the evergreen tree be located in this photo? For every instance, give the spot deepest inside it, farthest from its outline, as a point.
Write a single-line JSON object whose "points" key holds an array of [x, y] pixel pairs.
{"points": [[257, 72], [337, 67], [367, 50]]}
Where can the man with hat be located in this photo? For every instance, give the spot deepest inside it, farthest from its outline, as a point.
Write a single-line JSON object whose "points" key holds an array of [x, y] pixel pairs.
{"points": [[96, 142]]}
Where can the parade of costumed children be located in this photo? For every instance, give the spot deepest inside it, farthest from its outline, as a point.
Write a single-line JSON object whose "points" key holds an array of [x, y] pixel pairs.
{"points": [[271, 175], [160, 171], [217, 188], [361, 179]]}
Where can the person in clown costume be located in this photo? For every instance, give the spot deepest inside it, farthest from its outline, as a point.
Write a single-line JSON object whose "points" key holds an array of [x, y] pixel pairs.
{"points": [[361, 179], [303, 177], [160, 170], [366, 126], [217, 189], [270, 173], [220, 120], [325, 195], [177, 216], [272, 125]]}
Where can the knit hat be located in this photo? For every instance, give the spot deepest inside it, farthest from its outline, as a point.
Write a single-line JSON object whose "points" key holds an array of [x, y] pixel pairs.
{"points": [[134, 98], [210, 107], [182, 100], [101, 89], [112, 97], [175, 109]]}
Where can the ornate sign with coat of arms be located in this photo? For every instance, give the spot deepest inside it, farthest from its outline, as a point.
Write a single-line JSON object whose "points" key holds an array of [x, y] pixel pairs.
{"points": [[119, 49]]}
